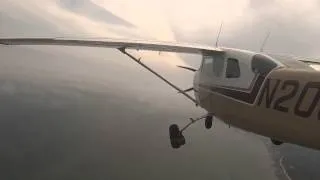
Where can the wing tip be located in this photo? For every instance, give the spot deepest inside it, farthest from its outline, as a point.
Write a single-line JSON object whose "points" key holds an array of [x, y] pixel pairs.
{"points": [[3, 43]]}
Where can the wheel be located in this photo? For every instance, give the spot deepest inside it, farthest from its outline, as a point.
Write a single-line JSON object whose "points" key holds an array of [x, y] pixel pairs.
{"points": [[181, 140], [176, 137], [208, 122], [276, 142], [174, 144], [174, 131]]}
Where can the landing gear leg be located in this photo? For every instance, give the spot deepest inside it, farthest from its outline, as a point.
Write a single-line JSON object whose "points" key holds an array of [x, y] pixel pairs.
{"points": [[176, 137]]}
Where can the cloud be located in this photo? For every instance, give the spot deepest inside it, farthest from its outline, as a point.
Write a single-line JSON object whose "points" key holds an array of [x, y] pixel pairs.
{"points": [[82, 18], [66, 22], [294, 26], [93, 11], [147, 15]]}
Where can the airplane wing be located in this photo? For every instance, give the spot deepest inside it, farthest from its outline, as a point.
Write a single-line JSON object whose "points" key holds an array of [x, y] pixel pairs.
{"points": [[114, 43], [295, 61], [122, 45], [313, 63]]}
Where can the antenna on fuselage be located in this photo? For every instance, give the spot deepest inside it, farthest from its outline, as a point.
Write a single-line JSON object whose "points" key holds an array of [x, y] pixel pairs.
{"points": [[265, 41], [217, 41]]}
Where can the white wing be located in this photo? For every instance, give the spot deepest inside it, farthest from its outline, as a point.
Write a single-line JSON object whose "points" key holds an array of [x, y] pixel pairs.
{"points": [[122, 45], [114, 43]]}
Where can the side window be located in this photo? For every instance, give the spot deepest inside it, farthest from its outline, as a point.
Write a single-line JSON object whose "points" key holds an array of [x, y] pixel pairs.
{"points": [[218, 64], [233, 68], [207, 65], [213, 65]]}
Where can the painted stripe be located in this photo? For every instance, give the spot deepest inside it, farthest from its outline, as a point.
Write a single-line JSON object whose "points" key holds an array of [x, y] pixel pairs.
{"points": [[248, 97], [243, 89]]}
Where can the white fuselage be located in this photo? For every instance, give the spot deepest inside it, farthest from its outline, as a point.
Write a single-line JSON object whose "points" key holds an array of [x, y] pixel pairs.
{"points": [[260, 94]]}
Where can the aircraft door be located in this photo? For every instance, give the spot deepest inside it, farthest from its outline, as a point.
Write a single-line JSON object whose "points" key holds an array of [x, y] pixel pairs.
{"points": [[211, 74]]}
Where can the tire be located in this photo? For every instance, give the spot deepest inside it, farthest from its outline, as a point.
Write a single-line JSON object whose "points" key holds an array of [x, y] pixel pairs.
{"points": [[181, 140], [174, 133], [174, 144]]}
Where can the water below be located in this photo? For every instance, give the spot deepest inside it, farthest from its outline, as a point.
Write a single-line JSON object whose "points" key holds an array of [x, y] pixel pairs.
{"points": [[65, 116]]}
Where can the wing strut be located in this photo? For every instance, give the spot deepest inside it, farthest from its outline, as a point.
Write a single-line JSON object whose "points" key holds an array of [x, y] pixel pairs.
{"points": [[123, 50]]}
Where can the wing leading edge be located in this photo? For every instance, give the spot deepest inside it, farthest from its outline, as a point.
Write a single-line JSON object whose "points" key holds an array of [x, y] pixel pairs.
{"points": [[114, 43]]}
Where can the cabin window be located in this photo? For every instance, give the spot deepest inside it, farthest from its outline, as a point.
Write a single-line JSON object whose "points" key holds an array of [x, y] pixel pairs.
{"points": [[207, 65], [233, 68], [213, 65], [218, 64]]}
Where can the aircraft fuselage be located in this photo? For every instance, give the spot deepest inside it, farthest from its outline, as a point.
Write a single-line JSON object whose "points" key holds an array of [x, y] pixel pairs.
{"points": [[282, 103]]}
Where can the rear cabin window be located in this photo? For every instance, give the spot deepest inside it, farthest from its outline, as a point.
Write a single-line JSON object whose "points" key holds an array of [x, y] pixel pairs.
{"points": [[233, 68]]}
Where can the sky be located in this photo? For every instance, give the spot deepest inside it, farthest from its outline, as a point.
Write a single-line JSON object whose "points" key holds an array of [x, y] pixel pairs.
{"points": [[294, 25]]}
